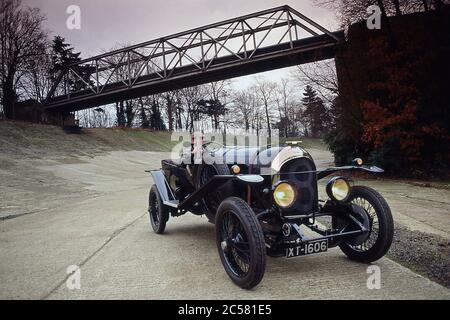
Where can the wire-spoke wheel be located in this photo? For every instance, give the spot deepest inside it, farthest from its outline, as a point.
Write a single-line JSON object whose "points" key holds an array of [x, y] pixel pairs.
{"points": [[374, 225], [158, 212], [240, 242], [381, 226]]}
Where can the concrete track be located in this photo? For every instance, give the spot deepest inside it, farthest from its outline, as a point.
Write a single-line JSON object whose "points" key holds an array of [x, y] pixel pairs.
{"points": [[105, 231]]}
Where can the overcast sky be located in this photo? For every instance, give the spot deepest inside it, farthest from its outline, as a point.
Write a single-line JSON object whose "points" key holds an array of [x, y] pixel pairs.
{"points": [[105, 24]]}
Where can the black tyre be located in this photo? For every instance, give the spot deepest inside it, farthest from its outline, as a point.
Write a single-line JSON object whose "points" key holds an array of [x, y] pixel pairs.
{"points": [[240, 242], [158, 212], [381, 226], [210, 203]]}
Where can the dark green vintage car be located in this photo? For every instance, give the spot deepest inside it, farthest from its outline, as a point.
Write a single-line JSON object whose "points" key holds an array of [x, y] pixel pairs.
{"points": [[263, 199]]}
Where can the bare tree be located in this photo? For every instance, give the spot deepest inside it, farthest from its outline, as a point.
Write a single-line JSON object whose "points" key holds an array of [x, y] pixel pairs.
{"points": [[190, 97], [320, 75], [22, 39], [126, 110], [243, 108], [266, 90], [283, 98], [218, 92], [35, 82], [351, 11], [95, 118], [170, 105]]}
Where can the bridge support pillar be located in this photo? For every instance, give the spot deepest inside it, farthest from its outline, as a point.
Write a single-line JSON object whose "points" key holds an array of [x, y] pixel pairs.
{"points": [[368, 66], [31, 111]]}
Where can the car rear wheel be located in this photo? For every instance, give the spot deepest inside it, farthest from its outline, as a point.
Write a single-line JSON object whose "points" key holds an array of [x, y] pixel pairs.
{"points": [[158, 212], [240, 242], [381, 226]]}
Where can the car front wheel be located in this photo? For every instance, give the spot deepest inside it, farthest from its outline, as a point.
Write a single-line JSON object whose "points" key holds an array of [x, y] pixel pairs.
{"points": [[381, 226], [240, 242]]}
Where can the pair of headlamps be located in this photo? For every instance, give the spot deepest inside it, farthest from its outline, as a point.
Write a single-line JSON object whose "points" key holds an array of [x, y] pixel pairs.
{"points": [[285, 193]]}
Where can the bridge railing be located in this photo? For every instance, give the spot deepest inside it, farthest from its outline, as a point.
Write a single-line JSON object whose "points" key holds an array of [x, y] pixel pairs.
{"points": [[197, 50]]}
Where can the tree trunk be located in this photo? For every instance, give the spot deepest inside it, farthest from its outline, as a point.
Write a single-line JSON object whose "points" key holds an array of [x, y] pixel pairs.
{"points": [[191, 124], [129, 113], [216, 122], [8, 99], [396, 4], [120, 114], [286, 116], [179, 122], [382, 8], [170, 112], [144, 119], [247, 123], [269, 131]]}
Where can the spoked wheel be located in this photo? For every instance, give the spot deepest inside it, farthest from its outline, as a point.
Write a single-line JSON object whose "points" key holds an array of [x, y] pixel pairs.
{"points": [[381, 226], [240, 242], [158, 212], [211, 201]]}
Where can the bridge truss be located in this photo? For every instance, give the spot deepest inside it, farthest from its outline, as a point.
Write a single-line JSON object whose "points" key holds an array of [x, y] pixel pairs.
{"points": [[261, 41]]}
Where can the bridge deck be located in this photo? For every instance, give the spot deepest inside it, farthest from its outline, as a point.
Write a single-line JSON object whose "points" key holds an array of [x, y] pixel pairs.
{"points": [[131, 73]]}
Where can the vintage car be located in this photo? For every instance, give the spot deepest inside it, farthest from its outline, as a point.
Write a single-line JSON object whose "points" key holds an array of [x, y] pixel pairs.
{"points": [[264, 201]]}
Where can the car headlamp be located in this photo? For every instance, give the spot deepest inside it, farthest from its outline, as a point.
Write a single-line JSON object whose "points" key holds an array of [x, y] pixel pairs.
{"points": [[358, 161], [284, 194], [338, 189], [236, 169]]}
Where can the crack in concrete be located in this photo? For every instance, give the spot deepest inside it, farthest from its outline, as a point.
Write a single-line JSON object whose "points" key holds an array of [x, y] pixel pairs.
{"points": [[94, 195], [13, 216], [110, 238], [422, 199]]}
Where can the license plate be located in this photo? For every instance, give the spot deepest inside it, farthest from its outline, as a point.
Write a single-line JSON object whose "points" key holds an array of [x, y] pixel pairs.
{"points": [[306, 248]]}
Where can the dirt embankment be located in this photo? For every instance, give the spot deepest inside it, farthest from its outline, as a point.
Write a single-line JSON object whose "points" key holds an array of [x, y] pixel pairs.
{"points": [[25, 148], [35, 141]]}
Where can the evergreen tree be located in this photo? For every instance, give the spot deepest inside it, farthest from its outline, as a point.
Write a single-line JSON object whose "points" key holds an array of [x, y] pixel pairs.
{"points": [[63, 56], [213, 109], [315, 113]]}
